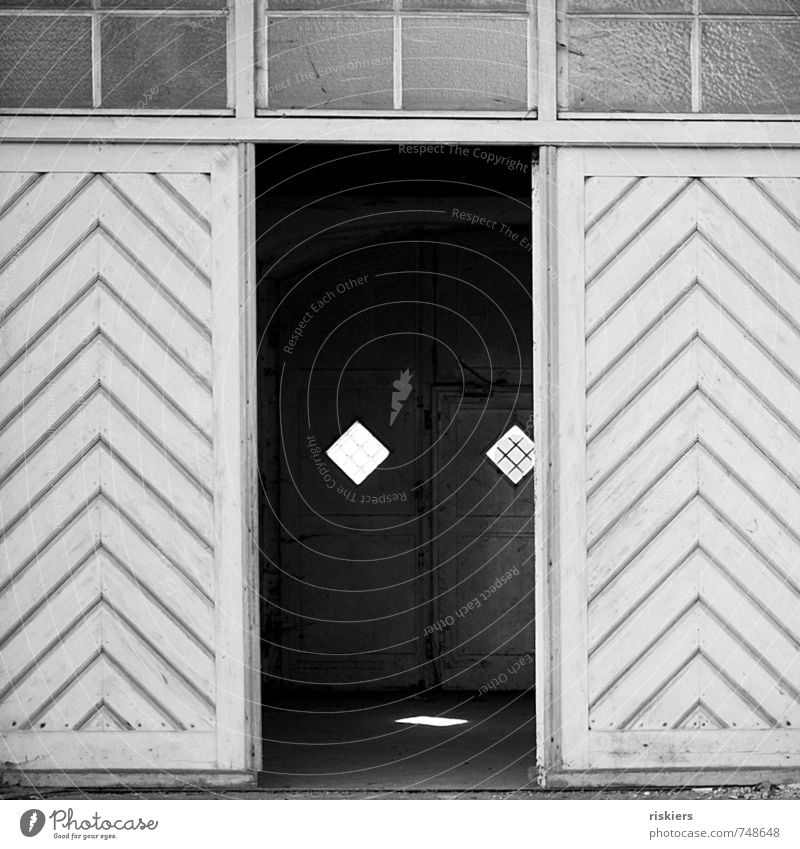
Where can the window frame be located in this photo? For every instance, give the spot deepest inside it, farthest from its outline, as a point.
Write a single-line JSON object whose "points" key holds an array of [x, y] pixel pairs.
{"points": [[697, 19], [247, 70], [96, 14]]}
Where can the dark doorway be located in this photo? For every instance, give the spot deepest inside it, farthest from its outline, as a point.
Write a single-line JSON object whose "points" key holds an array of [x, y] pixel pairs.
{"points": [[395, 315]]}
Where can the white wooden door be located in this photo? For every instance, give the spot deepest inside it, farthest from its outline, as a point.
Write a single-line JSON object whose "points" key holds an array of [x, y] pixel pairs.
{"points": [[678, 485], [121, 531]]}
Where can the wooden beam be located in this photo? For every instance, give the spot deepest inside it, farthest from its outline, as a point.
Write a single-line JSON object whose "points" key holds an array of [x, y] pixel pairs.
{"points": [[87, 779], [547, 98], [398, 130], [619, 779], [244, 62]]}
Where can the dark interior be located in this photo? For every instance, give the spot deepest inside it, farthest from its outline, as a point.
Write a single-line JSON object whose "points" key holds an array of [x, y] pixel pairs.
{"points": [[394, 290]]}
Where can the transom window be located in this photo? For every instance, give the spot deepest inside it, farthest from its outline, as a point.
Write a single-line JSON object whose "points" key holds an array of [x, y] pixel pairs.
{"points": [[681, 56], [505, 58]]}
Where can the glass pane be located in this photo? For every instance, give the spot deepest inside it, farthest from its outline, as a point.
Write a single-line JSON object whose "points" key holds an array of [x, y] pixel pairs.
{"points": [[630, 7], [338, 5], [179, 5], [750, 66], [518, 6], [330, 63], [629, 66], [750, 7], [46, 4], [45, 62], [464, 63], [164, 62]]}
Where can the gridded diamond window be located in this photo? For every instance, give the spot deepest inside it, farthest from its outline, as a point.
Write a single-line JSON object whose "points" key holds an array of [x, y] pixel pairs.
{"points": [[680, 56], [444, 55], [357, 452], [513, 454]]}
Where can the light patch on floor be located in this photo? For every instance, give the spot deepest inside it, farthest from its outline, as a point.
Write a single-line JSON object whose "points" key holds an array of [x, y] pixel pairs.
{"points": [[438, 721]]}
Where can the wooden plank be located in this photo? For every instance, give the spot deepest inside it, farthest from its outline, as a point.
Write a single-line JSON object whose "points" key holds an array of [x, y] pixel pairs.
{"points": [[602, 193], [98, 363], [743, 561], [754, 621], [174, 535], [38, 307], [627, 481], [545, 539], [658, 240], [650, 301], [251, 480], [193, 191], [756, 212], [639, 524], [43, 200], [614, 433], [88, 779], [684, 777], [571, 499], [231, 544], [642, 624], [28, 587], [185, 158], [12, 185], [694, 162], [622, 699], [736, 749], [244, 61], [149, 197], [779, 495], [177, 588], [110, 750], [749, 518], [45, 518], [546, 44], [614, 599], [762, 425], [775, 136], [624, 225]]}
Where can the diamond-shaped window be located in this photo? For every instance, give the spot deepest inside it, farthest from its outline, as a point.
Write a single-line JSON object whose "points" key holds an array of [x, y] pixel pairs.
{"points": [[513, 454], [357, 452]]}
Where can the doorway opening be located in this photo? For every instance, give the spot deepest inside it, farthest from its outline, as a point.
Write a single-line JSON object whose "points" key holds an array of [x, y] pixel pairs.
{"points": [[396, 462]]}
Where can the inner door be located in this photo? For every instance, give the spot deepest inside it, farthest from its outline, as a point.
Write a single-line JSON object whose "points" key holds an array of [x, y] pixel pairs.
{"points": [[396, 295]]}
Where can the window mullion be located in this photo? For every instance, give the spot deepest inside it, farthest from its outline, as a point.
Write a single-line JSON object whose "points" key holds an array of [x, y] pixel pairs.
{"points": [[695, 56], [397, 57], [547, 63], [97, 54], [243, 58]]}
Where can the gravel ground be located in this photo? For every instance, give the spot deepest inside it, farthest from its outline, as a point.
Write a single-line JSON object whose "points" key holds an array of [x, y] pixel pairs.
{"points": [[763, 791]]}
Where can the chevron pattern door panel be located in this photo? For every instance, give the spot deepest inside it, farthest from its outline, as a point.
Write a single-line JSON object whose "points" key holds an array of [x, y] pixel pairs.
{"points": [[109, 570], [686, 295]]}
